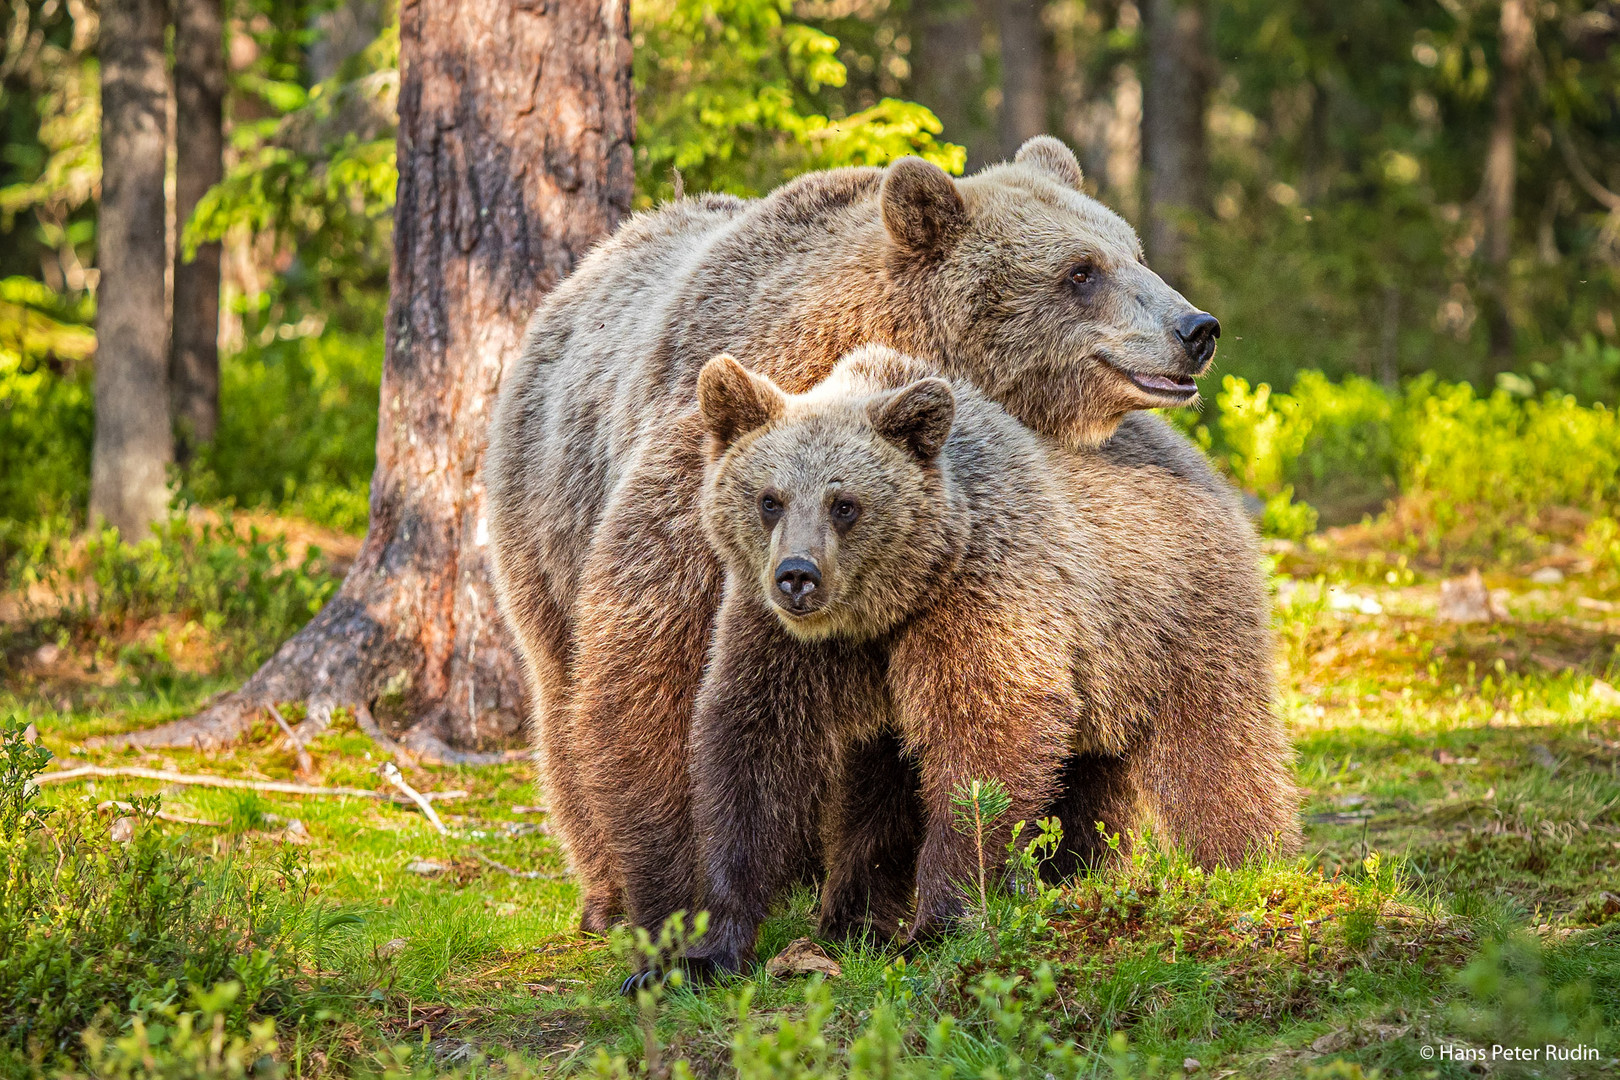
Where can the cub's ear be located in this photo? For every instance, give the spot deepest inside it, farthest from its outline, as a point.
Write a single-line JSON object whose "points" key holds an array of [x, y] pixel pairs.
{"points": [[916, 418], [735, 401], [1045, 152], [922, 209]]}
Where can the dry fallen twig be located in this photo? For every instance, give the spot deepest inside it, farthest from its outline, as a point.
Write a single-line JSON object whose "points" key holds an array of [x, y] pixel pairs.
{"points": [[306, 764], [391, 773], [278, 787], [532, 875]]}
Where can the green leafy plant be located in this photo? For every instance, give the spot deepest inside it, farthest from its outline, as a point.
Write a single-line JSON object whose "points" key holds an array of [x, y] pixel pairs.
{"points": [[976, 807], [100, 909], [737, 96]]}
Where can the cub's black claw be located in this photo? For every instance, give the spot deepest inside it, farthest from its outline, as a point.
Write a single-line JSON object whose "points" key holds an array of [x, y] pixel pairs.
{"points": [[695, 971], [641, 980]]}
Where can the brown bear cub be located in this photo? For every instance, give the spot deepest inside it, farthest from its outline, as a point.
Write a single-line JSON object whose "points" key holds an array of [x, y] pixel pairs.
{"points": [[860, 523]]}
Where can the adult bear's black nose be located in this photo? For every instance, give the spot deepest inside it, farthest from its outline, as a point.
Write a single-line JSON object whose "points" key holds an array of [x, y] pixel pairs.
{"points": [[797, 579], [1197, 331]]}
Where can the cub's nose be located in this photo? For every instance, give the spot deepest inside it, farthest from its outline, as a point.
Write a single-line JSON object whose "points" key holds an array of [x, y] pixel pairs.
{"points": [[1197, 331], [797, 579]]}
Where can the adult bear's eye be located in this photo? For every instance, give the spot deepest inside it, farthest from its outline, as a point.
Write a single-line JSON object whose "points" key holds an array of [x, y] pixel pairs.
{"points": [[845, 511], [1082, 274], [770, 507]]}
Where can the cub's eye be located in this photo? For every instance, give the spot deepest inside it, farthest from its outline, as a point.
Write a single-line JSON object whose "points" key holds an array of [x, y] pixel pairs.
{"points": [[1082, 274], [770, 507], [845, 511]]}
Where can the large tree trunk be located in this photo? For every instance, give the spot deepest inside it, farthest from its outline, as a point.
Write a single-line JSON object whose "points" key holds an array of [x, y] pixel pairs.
{"points": [[199, 143], [133, 442], [515, 126], [1174, 96], [1501, 172], [1023, 73]]}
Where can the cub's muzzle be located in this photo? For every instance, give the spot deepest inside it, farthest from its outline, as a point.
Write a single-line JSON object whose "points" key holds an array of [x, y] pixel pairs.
{"points": [[798, 582]]}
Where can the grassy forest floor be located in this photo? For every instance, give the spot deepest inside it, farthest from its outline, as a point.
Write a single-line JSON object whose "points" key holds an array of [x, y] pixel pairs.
{"points": [[1461, 886]]}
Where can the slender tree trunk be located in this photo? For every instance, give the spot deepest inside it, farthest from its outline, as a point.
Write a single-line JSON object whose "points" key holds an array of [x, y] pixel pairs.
{"points": [[199, 139], [515, 121], [133, 442], [949, 66], [1023, 73], [343, 31], [1501, 173], [1173, 100]]}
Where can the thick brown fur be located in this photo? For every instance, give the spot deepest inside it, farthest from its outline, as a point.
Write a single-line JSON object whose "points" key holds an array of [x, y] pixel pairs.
{"points": [[964, 573], [597, 456]]}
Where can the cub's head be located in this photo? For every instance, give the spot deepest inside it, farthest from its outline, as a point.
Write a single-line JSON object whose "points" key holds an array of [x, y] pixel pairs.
{"points": [[1038, 294], [832, 504]]}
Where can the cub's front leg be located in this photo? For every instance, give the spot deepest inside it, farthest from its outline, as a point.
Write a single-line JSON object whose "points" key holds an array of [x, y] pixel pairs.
{"points": [[983, 691], [872, 825], [765, 732]]}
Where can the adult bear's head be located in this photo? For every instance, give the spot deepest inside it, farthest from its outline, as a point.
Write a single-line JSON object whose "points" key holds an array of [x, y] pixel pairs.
{"points": [[1038, 293]]}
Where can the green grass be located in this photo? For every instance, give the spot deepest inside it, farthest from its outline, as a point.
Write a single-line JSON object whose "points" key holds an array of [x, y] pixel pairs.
{"points": [[1478, 764]]}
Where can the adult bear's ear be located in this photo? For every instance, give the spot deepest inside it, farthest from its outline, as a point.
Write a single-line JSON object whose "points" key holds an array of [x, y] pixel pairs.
{"points": [[1047, 153], [922, 209], [916, 418], [735, 401]]}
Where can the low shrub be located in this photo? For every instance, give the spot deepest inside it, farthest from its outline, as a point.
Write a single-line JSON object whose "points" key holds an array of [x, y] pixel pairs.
{"points": [[242, 588], [105, 913], [1460, 476]]}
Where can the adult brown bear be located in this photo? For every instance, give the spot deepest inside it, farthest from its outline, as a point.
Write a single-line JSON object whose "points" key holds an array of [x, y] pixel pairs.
{"points": [[1013, 280]]}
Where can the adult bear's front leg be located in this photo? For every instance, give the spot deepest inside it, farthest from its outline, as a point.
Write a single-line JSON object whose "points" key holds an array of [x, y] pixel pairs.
{"points": [[984, 691], [644, 618], [765, 733]]}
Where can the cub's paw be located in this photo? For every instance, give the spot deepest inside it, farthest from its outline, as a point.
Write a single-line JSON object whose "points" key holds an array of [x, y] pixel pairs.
{"points": [[695, 971], [601, 914]]}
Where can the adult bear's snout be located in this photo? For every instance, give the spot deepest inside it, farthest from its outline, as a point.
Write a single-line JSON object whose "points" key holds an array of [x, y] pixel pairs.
{"points": [[1197, 331], [797, 580]]}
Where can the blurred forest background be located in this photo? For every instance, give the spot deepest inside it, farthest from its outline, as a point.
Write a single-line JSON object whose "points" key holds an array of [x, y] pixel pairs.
{"points": [[1419, 201]]}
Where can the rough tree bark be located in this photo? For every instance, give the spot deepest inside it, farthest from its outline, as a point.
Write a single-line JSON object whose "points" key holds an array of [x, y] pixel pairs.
{"points": [[1174, 95], [1023, 73], [1501, 171], [515, 126], [133, 441], [199, 147]]}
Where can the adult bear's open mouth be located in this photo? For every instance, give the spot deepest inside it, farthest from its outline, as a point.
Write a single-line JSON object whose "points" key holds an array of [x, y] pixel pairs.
{"points": [[1174, 387]]}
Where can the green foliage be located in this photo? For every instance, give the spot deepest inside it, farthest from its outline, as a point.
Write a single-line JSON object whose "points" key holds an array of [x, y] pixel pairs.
{"points": [[298, 428], [318, 175], [976, 806], [101, 909], [50, 120], [240, 588], [47, 414], [1478, 477], [1485, 471], [1344, 231], [738, 97], [166, 1042], [1519, 995]]}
